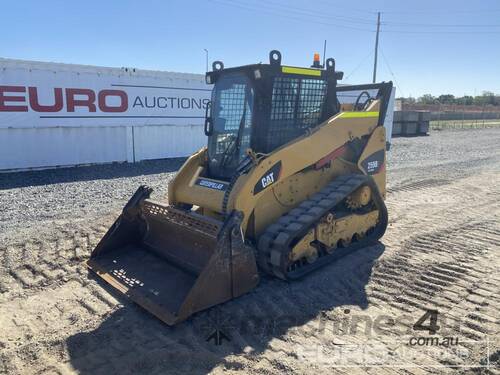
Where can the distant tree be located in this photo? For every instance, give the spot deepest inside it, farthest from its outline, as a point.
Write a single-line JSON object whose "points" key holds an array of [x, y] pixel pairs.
{"points": [[426, 99], [479, 100], [408, 100], [446, 99], [487, 97], [465, 100]]}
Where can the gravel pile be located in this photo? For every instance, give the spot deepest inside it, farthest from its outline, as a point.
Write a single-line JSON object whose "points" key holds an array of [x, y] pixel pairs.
{"points": [[74, 193], [444, 147]]}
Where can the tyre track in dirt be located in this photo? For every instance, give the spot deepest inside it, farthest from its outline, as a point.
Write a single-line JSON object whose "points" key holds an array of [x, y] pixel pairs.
{"points": [[441, 250], [27, 267], [417, 185], [453, 267]]}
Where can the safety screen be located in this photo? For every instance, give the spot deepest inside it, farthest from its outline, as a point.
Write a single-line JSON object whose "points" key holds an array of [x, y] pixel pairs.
{"points": [[296, 105], [233, 109]]}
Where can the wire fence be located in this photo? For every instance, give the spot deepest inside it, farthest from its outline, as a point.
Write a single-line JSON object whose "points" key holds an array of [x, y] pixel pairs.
{"points": [[464, 124], [453, 116]]}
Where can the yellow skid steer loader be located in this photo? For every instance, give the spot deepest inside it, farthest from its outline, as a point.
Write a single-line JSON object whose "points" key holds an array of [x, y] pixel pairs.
{"points": [[292, 178]]}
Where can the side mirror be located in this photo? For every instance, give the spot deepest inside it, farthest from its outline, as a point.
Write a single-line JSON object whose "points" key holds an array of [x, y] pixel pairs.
{"points": [[209, 125]]}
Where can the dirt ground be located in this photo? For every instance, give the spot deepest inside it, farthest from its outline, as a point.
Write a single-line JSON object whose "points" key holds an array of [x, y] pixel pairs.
{"points": [[440, 252]]}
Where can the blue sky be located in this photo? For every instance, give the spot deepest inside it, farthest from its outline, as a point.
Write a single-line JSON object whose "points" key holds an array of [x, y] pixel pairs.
{"points": [[429, 46]]}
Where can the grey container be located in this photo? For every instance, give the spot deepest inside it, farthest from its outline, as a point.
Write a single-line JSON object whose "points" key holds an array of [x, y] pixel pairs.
{"points": [[410, 128], [424, 116], [410, 116], [405, 116], [423, 127], [397, 128]]}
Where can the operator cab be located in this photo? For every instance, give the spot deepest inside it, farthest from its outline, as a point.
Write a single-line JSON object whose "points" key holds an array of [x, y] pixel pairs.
{"points": [[264, 106]]}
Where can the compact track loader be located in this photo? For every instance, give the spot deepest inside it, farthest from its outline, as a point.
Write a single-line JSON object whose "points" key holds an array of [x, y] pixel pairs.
{"points": [[292, 178]]}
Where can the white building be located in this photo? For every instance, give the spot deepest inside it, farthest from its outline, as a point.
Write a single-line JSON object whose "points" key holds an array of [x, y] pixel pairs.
{"points": [[62, 114]]}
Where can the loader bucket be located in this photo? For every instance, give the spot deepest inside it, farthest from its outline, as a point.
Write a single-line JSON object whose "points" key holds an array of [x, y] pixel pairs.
{"points": [[174, 262]]}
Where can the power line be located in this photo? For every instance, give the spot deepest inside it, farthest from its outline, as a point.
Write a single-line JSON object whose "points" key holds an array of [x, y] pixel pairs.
{"points": [[303, 11], [301, 15], [291, 13], [438, 25], [272, 11], [359, 65], [357, 10], [431, 25], [433, 11], [447, 11], [391, 72], [435, 32]]}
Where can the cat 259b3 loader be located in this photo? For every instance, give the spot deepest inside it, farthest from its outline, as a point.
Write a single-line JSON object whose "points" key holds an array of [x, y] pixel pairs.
{"points": [[292, 178]]}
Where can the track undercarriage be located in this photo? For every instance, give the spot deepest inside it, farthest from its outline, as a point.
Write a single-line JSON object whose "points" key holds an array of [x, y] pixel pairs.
{"points": [[323, 228]]}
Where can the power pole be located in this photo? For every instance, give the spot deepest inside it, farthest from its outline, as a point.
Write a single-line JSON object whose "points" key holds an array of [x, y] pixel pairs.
{"points": [[206, 59], [376, 49], [324, 54]]}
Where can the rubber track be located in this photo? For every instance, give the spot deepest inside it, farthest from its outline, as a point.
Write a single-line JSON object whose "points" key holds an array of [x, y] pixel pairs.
{"points": [[277, 241]]}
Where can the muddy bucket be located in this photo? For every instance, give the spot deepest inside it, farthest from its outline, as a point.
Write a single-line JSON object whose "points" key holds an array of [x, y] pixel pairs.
{"points": [[174, 262]]}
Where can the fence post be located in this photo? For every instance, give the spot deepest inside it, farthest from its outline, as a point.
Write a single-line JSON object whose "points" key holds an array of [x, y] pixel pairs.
{"points": [[439, 116], [454, 106], [463, 114], [482, 114]]}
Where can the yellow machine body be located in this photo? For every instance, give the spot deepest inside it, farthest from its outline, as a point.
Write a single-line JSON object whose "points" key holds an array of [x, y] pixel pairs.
{"points": [[287, 211]]}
